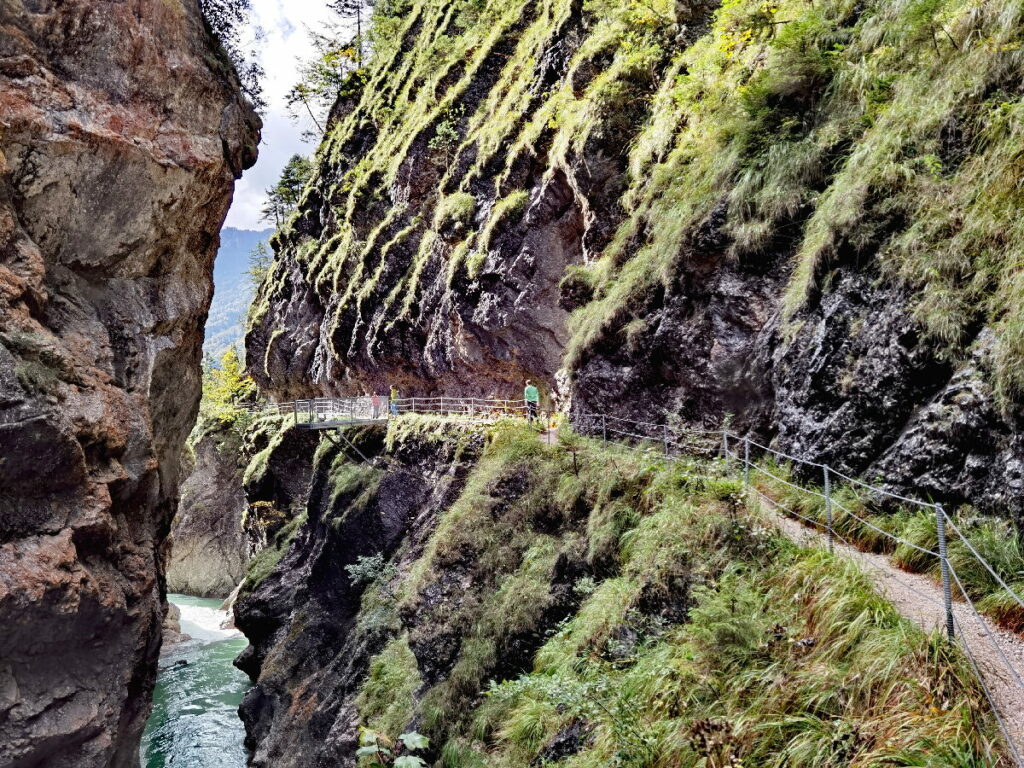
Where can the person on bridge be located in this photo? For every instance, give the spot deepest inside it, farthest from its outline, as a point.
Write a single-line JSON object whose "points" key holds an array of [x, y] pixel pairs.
{"points": [[532, 397], [394, 401], [376, 401]]}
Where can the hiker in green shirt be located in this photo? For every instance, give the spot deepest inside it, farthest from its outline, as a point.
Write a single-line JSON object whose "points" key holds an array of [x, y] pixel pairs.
{"points": [[394, 401], [532, 397]]}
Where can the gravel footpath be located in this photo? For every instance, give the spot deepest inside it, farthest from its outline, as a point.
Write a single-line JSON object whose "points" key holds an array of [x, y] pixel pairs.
{"points": [[998, 654]]}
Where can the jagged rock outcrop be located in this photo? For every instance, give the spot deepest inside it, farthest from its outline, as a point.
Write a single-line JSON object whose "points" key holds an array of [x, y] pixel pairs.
{"points": [[708, 215], [209, 550], [122, 130], [172, 627], [280, 465], [307, 655]]}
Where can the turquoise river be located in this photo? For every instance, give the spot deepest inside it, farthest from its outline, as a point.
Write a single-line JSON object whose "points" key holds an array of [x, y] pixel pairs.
{"points": [[195, 705]]}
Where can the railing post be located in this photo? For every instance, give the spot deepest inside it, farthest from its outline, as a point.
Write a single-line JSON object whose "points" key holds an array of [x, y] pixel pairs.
{"points": [[725, 446], [604, 427], [295, 411], [947, 590], [828, 509], [746, 462], [664, 437]]}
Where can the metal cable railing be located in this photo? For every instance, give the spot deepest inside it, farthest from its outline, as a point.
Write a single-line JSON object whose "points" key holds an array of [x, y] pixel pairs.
{"points": [[328, 412], [598, 423], [332, 412]]}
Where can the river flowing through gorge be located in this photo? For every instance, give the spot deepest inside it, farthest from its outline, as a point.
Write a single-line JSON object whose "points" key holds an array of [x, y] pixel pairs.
{"points": [[195, 721]]}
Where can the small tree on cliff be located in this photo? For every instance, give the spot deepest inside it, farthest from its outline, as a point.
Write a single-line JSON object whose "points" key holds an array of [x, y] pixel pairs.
{"points": [[260, 261], [225, 19], [226, 388], [340, 52], [283, 197], [322, 77], [355, 11]]}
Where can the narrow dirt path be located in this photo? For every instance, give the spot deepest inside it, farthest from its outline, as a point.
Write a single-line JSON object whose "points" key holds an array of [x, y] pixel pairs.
{"points": [[919, 599]]}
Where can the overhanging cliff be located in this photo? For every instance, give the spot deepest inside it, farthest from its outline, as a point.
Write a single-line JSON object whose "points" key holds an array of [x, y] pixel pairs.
{"points": [[800, 214]]}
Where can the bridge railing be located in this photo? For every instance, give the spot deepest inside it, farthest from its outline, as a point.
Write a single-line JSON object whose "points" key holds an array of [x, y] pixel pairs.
{"points": [[330, 410], [750, 458]]}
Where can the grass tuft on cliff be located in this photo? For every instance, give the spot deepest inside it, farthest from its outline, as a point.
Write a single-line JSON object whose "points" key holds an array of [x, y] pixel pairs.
{"points": [[611, 608], [788, 135]]}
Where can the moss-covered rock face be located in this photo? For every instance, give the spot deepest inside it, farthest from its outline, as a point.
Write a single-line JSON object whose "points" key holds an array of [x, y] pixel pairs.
{"points": [[318, 602], [802, 214], [581, 605], [449, 202], [278, 464]]}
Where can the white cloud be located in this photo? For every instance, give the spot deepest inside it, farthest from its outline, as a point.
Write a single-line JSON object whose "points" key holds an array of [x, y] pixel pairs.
{"points": [[284, 43]]}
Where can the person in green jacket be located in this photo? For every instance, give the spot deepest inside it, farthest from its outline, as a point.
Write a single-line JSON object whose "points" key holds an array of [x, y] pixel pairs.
{"points": [[532, 397], [394, 401]]}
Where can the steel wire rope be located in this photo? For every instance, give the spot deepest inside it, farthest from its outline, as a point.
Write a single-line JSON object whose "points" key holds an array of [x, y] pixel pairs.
{"points": [[837, 505], [687, 430], [882, 531], [756, 468], [789, 511], [777, 453], [890, 575], [880, 491], [836, 472], [988, 695], [988, 631], [632, 421], [1017, 598], [846, 542], [631, 434]]}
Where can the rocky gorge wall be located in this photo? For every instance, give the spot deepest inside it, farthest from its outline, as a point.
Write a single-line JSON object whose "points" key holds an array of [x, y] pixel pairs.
{"points": [[311, 626], [680, 209], [122, 130], [208, 546]]}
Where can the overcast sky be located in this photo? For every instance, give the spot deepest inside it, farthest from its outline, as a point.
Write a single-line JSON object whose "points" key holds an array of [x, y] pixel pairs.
{"points": [[284, 44]]}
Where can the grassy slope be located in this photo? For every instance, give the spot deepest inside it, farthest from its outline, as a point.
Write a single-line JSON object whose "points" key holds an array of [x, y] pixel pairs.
{"points": [[888, 127], [667, 626], [834, 130]]}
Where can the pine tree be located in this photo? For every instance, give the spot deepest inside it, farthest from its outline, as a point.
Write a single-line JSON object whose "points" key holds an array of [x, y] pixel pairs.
{"points": [[283, 197], [226, 387], [354, 10], [260, 260]]}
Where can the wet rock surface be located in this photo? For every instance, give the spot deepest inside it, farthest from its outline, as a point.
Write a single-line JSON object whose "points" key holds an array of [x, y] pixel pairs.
{"points": [[172, 627], [121, 136]]}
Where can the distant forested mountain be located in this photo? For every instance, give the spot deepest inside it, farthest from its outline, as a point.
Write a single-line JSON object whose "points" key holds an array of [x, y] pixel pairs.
{"points": [[232, 291]]}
